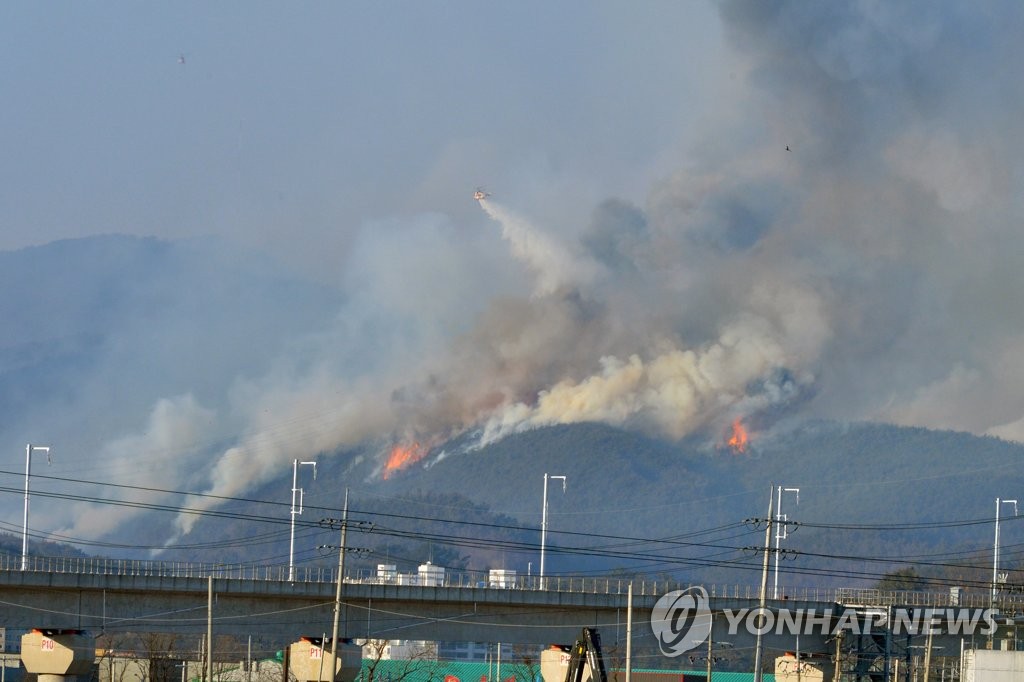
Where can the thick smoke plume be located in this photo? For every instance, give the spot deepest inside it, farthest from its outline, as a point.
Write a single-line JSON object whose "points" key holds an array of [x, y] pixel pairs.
{"points": [[551, 263], [843, 241]]}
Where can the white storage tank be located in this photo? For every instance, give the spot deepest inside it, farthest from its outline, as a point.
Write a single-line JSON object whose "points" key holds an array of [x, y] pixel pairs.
{"points": [[984, 665]]}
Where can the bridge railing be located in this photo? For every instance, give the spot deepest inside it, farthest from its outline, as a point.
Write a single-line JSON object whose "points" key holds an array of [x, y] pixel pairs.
{"points": [[166, 569], [478, 580]]}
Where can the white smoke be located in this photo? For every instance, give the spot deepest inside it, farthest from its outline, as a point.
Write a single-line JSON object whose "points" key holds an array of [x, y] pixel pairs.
{"points": [[172, 445], [843, 241], [316, 416], [676, 391], [551, 262]]}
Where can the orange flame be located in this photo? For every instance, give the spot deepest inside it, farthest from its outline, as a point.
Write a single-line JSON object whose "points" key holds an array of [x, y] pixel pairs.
{"points": [[738, 440], [402, 456]]}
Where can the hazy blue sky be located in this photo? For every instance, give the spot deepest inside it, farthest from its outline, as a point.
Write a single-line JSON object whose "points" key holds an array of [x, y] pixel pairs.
{"points": [[292, 125]]}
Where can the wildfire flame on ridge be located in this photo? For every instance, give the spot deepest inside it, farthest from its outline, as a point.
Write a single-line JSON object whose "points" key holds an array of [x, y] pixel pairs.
{"points": [[402, 456], [738, 440]]}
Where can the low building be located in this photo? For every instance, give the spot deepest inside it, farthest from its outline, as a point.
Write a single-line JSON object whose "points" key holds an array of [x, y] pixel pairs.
{"points": [[993, 665], [10, 654], [398, 649], [501, 577], [464, 651]]}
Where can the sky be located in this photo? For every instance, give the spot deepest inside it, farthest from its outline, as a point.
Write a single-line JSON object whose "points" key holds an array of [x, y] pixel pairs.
{"points": [[292, 128], [698, 212]]}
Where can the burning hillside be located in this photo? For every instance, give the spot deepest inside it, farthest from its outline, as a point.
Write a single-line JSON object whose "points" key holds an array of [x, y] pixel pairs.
{"points": [[738, 438], [401, 457], [756, 280]]}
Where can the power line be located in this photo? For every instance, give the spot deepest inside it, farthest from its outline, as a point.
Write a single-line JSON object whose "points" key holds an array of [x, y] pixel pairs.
{"points": [[607, 550]]}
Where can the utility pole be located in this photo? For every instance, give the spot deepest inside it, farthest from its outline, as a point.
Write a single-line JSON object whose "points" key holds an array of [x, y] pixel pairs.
{"points": [[629, 632], [887, 664], [209, 628], [928, 654], [337, 589], [323, 646], [839, 652], [710, 637], [759, 651]]}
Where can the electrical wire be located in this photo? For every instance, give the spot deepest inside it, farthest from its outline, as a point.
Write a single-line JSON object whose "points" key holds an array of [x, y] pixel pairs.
{"points": [[607, 550]]}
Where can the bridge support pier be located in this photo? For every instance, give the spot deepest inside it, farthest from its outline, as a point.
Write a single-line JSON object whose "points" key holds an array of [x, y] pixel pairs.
{"points": [[58, 655]]}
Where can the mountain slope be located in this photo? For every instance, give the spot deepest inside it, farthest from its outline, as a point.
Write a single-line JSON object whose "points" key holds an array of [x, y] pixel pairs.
{"points": [[622, 485], [99, 331]]}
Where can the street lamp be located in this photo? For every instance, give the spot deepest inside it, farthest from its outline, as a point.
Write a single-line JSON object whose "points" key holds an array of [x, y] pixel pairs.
{"points": [[29, 449], [544, 524], [296, 493], [781, 531], [995, 550]]}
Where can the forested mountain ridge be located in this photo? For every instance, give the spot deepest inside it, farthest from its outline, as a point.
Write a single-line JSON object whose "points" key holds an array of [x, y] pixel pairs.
{"points": [[872, 499]]}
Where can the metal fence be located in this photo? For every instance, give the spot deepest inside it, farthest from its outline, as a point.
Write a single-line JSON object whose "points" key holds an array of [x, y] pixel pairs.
{"points": [[481, 580]]}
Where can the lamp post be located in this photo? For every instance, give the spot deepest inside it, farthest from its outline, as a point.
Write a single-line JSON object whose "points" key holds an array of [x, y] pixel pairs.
{"points": [[29, 449], [544, 525], [781, 532], [296, 493], [995, 549]]}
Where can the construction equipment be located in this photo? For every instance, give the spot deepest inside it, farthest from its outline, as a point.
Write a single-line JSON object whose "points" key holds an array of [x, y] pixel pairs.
{"points": [[586, 651]]}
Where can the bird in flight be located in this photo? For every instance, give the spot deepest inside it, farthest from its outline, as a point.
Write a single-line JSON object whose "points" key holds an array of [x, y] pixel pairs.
{"points": [[181, 58]]}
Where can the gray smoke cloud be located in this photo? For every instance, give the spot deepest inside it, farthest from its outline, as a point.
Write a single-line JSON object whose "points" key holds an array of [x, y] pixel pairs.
{"points": [[842, 241], [902, 198], [872, 264], [175, 432]]}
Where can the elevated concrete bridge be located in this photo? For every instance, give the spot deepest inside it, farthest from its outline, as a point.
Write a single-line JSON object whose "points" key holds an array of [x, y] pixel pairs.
{"points": [[137, 596]]}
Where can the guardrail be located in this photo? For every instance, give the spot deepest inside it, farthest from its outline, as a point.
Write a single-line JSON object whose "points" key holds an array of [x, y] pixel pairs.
{"points": [[475, 579]]}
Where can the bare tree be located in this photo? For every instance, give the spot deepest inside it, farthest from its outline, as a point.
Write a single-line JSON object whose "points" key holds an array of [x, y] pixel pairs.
{"points": [[419, 659], [160, 649], [266, 671], [524, 665], [119, 660]]}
